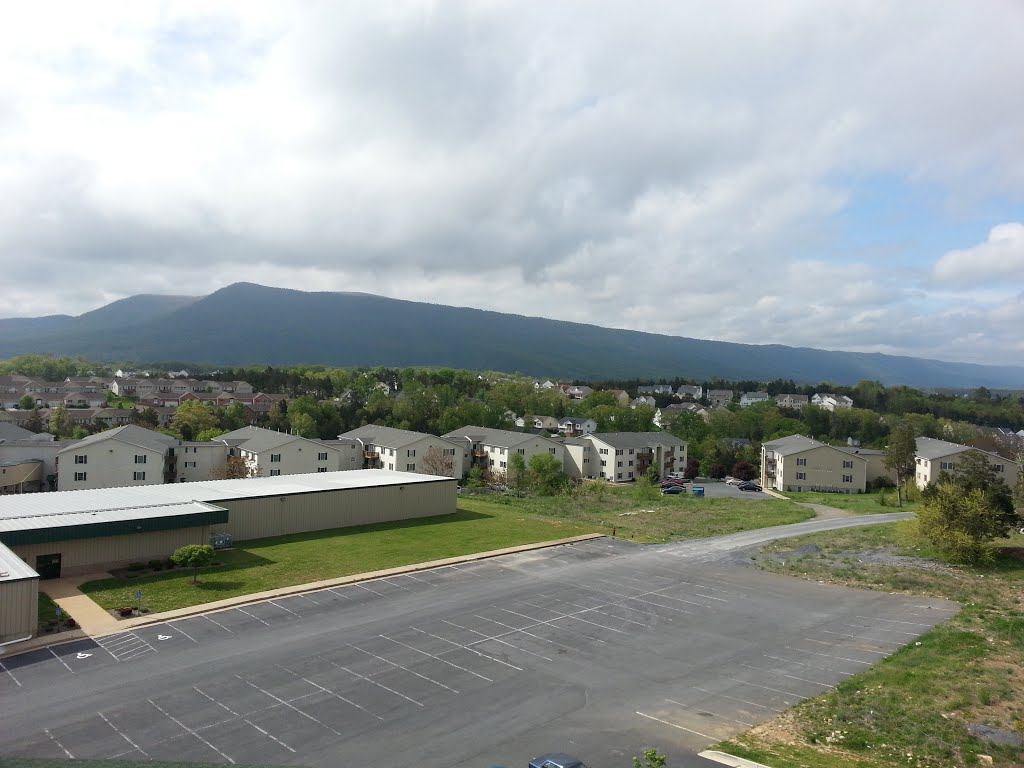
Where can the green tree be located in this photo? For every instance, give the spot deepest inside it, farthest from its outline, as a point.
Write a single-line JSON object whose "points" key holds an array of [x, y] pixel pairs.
{"points": [[546, 474], [208, 434], [26, 403], [652, 759], [518, 476], [961, 522], [147, 417], [60, 422], [194, 556], [304, 425], [193, 417], [900, 454]]}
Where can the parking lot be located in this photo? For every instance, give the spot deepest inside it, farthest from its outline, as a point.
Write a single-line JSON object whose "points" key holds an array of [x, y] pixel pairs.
{"points": [[601, 648], [716, 489]]}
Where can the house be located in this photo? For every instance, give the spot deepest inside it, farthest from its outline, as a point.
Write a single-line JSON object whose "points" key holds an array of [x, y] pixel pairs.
{"points": [[576, 425], [655, 389], [796, 402], [644, 400], [621, 457], [128, 455], [798, 463], [406, 451], [664, 416], [690, 392], [935, 456], [113, 417], [577, 392], [718, 397], [831, 402], [491, 449], [621, 396], [749, 398]]}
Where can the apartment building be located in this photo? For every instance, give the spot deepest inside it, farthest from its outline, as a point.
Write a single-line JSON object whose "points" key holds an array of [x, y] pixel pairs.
{"points": [[128, 455], [717, 397], [831, 402], [621, 457], [491, 449], [748, 399], [404, 450], [936, 456], [798, 463], [796, 402]]}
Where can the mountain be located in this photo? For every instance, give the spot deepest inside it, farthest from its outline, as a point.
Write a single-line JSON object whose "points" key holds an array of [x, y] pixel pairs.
{"points": [[246, 324]]}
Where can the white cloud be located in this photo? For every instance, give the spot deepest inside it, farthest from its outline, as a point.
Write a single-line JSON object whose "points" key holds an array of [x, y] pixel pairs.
{"points": [[667, 167], [1001, 256]]}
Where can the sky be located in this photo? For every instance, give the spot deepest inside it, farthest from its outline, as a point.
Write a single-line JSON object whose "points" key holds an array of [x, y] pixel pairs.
{"points": [[844, 175]]}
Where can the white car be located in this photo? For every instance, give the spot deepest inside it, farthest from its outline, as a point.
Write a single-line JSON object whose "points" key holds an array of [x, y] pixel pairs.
{"points": [[733, 481]]}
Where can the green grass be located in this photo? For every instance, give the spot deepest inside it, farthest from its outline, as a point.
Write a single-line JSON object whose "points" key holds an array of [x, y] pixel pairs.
{"points": [[916, 702], [858, 503], [282, 561], [48, 613], [650, 517]]}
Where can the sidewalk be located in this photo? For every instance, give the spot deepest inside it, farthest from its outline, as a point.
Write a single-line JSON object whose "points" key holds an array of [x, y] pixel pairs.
{"points": [[96, 622]]}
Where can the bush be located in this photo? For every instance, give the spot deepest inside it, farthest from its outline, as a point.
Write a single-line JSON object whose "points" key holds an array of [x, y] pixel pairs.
{"points": [[125, 612], [136, 567], [156, 565], [882, 481], [169, 564]]}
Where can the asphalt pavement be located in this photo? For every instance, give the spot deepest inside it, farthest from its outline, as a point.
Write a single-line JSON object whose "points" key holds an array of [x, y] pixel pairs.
{"points": [[601, 648]]}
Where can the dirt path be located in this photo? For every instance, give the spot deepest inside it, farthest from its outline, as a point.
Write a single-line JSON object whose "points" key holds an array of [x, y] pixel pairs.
{"points": [[822, 512]]}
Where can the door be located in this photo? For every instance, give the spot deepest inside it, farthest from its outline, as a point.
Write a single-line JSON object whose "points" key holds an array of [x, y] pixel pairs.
{"points": [[48, 566]]}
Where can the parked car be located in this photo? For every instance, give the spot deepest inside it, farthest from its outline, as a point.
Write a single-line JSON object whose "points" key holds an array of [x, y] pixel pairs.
{"points": [[557, 760], [733, 480], [673, 484], [675, 476], [674, 489], [749, 486]]}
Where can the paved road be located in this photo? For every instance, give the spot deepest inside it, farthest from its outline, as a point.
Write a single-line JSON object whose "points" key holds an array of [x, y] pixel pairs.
{"points": [[600, 648]]}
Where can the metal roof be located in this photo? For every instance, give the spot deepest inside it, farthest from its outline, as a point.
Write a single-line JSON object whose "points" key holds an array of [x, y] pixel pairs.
{"points": [[387, 437], [213, 491], [637, 439], [931, 448], [13, 568], [93, 517]]}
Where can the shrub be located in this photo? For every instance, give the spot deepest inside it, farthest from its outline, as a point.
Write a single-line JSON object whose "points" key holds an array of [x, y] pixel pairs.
{"points": [[125, 612], [194, 556], [156, 565], [136, 567], [169, 564]]}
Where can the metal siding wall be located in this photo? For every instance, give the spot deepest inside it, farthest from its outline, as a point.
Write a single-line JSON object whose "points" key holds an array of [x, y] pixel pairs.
{"points": [[19, 609], [85, 555], [301, 513]]}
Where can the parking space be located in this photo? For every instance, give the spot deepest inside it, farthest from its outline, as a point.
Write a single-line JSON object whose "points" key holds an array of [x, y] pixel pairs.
{"points": [[717, 489], [457, 657]]}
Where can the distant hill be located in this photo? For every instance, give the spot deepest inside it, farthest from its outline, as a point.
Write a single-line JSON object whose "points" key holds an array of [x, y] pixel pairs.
{"points": [[247, 324]]}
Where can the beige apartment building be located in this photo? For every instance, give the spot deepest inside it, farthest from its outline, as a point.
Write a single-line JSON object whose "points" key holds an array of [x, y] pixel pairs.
{"points": [[936, 456], [798, 463], [621, 457], [403, 450], [491, 449], [128, 455]]}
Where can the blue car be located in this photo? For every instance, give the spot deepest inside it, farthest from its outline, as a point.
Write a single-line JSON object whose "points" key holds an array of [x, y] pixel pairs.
{"points": [[673, 490], [556, 760]]}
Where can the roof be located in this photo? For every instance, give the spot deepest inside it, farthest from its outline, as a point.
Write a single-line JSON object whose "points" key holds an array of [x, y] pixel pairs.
{"points": [[9, 431], [131, 434], [786, 446], [931, 448], [13, 568], [212, 491], [637, 439], [863, 451], [488, 436], [387, 436]]}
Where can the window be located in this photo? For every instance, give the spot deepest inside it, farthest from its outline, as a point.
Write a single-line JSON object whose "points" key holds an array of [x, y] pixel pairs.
{"points": [[618, 464], [390, 465], [140, 459], [411, 453], [275, 472], [391, 451], [801, 475], [586, 461], [275, 458], [631, 462], [81, 459], [521, 452], [321, 456], [412, 467], [847, 465], [603, 451], [551, 451], [604, 463], [500, 450], [321, 469], [618, 451], [502, 464], [630, 451], [847, 478], [189, 464], [138, 475], [801, 462], [998, 467], [79, 476], [491, 463]]}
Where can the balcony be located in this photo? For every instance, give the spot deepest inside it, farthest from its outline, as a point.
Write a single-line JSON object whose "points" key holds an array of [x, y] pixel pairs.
{"points": [[479, 453], [371, 455]]}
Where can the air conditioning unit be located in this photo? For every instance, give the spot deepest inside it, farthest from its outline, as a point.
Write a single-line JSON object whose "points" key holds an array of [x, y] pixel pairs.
{"points": [[221, 540]]}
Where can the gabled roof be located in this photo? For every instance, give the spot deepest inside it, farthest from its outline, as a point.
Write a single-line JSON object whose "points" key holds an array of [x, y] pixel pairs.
{"points": [[930, 448], [131, 434], [387, 436], [9, 431], [266, 440], [637, 439], [498, 437], [786, 446]]}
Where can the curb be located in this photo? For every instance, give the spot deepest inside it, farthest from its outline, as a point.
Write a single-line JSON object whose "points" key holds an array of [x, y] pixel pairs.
{"points": [[296, 589], [731, 760], [776, 494]]}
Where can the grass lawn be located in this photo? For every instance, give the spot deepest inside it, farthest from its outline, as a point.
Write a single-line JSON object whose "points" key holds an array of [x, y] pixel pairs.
{"points": [[48, 614], [859, 503], [647, 517], [282, 561], [912, 708]]}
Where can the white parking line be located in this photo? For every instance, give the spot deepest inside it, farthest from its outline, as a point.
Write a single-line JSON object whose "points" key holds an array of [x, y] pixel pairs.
{"points": [[381, 594], [733, 698], [484, 637], [336, 592], [399, 586], [184, 727], [573, 616], [861, 637], [895, 621], [5, 669], [681, 728], [58, 658], [637, 598], [839, 644], [177, 628], [278, 605], [549, 622], [212, 621], [514, 630], [54, 740], [882, 629], [596, 608], [328, 690], [435, 656], [307, 597], [122, 734], [222, 706], [801, 663], [374, 682], [416, 578], [404, 669], [702, 709], [829, 656], [253, 616], [270, 736], [291, 706], [783, 674], [766, 687], [466, 647]]}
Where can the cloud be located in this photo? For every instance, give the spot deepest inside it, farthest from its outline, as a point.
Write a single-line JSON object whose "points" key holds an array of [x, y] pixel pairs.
{"points": [[1001, 256], [670, 168]]}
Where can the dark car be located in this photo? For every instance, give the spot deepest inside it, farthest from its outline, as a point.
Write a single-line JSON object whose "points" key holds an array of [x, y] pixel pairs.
{"points": [[557, 760], [749, 486], [674, 489]]}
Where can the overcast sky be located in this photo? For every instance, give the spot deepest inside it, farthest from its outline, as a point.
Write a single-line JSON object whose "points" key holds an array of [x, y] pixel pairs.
{"points": [[841, 175]]}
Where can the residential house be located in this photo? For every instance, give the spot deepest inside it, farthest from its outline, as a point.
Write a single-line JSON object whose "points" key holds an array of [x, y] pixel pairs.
{"points": [[404, 450], [113, 417], [798, 463], [936, 456], [645, 400], [830, 401], [491, 449], [690, 391], [621, 396], [664, 416], [123, 456], [796, 402], [621, 457], [577, 392], [576, 425], [721, 397], [749, 398], [655, 389]]}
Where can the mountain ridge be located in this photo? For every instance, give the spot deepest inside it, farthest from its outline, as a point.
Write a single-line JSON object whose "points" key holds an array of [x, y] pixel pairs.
{"points": [[294, 327]]}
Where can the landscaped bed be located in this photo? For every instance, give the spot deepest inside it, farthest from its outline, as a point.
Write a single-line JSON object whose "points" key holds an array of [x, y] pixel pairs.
{"points": [[48, 619], [955, 693]]}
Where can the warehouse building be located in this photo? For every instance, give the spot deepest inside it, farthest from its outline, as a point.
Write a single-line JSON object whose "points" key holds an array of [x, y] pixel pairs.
{"points": [[45, 536]]}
